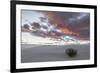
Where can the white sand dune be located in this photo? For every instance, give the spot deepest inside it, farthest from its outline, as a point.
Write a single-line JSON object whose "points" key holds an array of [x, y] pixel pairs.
{"points": [[39, 49], [46, 53], [27, 38]]}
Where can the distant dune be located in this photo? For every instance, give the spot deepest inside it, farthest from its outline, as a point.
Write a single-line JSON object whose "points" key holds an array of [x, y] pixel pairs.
{"points": [[28, 38], [45, 53]]}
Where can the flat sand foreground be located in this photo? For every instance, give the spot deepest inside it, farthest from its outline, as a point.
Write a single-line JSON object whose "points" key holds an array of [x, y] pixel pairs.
{"points": [[46, 53]]}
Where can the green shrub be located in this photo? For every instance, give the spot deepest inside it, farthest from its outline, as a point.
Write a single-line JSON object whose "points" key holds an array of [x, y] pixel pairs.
{"points": [[71, 52]]}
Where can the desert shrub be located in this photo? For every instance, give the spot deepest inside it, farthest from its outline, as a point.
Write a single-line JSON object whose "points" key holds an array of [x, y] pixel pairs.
{"points": [[71, 52]]}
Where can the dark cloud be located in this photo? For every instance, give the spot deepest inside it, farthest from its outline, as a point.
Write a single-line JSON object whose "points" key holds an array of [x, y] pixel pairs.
{"points": [[77, 22], [70, 23], [26, 26]]}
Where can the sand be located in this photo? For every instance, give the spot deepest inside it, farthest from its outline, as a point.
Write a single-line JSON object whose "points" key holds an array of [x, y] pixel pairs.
{"points": [[45, 53]]}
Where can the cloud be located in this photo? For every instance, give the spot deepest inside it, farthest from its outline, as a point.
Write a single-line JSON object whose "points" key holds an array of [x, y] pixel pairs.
{"points": [[60, 23]]}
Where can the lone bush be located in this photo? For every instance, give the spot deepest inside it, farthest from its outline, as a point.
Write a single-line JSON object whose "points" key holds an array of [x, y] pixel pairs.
{"points": [[71, 52]]}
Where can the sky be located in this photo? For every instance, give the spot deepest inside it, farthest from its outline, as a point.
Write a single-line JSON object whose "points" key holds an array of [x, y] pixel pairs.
{"points": [[56, 24]]}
